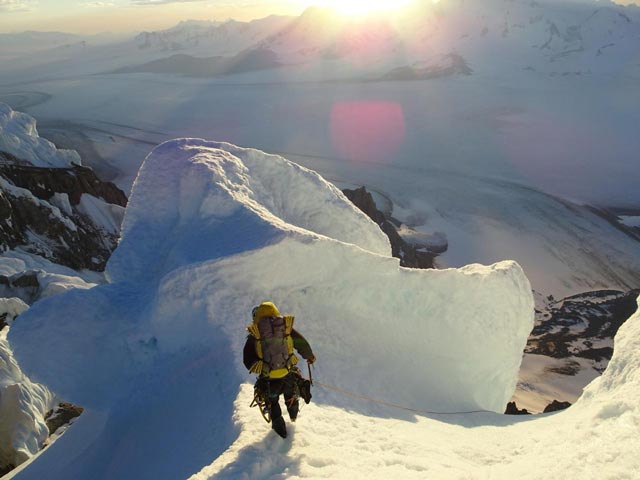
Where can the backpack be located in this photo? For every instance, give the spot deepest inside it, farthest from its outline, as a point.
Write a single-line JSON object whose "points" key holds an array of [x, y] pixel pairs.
{"points": [[274, 346]]}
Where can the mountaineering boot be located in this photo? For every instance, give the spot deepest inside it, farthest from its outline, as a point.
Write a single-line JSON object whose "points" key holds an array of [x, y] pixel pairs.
{"points": [[293, 413], [305, 390], [292, 408], [279, 427]]}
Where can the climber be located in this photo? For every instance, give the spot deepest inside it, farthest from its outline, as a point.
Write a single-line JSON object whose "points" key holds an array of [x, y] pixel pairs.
{"points": [[269, 352]]}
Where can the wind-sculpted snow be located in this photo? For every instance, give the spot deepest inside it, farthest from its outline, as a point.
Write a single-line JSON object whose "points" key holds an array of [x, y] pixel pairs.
{"points": [[22, 403], [193, 202], [19, 137], [617, 390], [210, 231]]}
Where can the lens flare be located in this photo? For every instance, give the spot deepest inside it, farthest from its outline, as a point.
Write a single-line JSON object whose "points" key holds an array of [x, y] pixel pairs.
{"points": [[367, 131], [363, 7]]}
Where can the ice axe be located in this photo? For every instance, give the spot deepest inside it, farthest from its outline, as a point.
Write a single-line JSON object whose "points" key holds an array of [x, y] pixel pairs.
{"points": [[310, 376]]}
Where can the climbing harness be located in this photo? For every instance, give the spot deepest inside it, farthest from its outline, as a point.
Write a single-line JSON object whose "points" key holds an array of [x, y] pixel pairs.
{"points": [[261, 395], [260, 401]]}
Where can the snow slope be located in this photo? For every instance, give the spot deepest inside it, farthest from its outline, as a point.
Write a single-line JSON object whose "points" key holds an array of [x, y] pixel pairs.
{"points": [[211, 230], [594, 439]]}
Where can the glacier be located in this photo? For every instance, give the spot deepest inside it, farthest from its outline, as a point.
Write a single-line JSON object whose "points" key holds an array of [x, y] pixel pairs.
{"points": [[211, 230]]}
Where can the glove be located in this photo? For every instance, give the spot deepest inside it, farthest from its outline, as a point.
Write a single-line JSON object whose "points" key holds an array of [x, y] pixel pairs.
{"points": [[312, 359]]}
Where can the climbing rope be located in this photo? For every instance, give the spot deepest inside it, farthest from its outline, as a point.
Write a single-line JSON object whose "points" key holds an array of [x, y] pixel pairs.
{"points": [[392, 405], [258, 402]]}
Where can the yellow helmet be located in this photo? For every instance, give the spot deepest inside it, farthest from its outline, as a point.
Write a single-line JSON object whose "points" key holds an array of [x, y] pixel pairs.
{"points": [[265, 309]]}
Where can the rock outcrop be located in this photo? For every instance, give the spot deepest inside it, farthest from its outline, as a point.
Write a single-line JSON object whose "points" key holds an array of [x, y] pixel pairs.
{"points": [[412, 256], [556, 406], [23, 285], [582, 326], [44, 183], [66, 215], [62, 415], [512, 409]]}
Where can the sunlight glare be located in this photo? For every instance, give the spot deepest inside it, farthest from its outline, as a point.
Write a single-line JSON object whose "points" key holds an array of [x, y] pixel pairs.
{"points": [[363, 7]]}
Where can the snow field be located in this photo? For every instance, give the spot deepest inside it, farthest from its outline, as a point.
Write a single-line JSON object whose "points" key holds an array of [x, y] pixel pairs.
{"points": [[155, 354]]}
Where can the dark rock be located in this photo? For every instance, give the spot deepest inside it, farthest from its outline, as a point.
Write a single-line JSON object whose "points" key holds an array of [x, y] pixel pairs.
{"points": [[409, 255], [556, 406], [23, 285], [6, 469], [364, 201], [7, 158], [25, 280], [570, 327], [62, 415], [10, 237], [45, 182], [569, 368], [512, 409], [32, 223]]}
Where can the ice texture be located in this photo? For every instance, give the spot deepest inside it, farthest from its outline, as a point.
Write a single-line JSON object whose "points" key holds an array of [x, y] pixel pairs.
{"points": [[210, 231], [22, 402]]}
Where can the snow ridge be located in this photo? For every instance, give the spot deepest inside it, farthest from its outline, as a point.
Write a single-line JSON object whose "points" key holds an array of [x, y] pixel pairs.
{"points": [[166, 334], [233, 185], [19, 137]]}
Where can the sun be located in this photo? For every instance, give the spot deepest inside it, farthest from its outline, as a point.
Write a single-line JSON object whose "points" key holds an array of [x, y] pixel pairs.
{"points": [[364, 7]]}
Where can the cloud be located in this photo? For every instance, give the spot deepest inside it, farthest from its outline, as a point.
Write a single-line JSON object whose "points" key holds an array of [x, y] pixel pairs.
{"points": [[15, 5]]}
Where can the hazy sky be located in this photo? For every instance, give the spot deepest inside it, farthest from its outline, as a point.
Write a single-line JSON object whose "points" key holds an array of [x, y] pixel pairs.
{"points": [[93, 16]]}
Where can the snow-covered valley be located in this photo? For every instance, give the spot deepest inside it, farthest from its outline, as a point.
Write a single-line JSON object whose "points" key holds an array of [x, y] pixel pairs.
{"points": [[458, 176]]}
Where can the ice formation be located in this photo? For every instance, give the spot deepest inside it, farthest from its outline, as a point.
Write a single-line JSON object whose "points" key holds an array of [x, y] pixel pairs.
{"points": [[22, 403], [211, 230], [19, 137]]}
